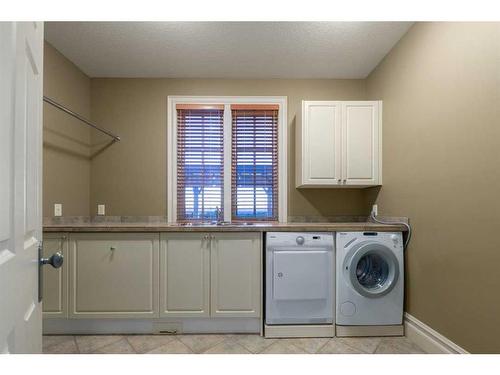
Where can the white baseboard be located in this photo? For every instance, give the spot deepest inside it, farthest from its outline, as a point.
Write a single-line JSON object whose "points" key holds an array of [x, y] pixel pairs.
{"points": [[428, 339]]}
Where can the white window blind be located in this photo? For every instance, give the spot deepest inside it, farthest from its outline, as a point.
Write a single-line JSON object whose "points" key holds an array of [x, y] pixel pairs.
{"points": [[200, 161], [254, 177]]}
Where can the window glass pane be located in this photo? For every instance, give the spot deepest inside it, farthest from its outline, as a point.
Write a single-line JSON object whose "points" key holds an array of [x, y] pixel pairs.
{"points": [[200, 163], [254, 164]]}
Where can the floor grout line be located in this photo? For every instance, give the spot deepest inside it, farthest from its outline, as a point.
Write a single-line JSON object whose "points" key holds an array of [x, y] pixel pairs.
{"points": [[132, 346], [322, 346], [380, 342], [76, 345], [361, 350]]}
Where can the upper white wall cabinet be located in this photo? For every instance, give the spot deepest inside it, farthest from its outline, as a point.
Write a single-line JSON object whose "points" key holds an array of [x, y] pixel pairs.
{"points": [[339, 144]]}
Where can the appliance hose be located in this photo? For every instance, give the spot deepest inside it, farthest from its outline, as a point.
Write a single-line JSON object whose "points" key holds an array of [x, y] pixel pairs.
{"points": [[407, 225]]}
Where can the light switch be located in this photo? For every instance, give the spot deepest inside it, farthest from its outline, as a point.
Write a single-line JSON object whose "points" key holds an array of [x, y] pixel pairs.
{"points": [[57, 209], [101, 209]]}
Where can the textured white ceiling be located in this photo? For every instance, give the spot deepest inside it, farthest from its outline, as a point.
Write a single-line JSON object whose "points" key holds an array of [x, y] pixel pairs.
{"points": [[225, 49]]}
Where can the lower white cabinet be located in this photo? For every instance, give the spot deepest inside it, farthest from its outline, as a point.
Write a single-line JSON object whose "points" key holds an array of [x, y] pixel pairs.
{"points": [[235, 275], [152, 275], [113, 275], [55, 280], [185, 275], [216, 275]]}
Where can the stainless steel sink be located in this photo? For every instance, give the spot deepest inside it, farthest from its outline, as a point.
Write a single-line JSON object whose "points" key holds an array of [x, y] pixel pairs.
{"points": [[226, 223], [214, 223], [221, 223], [196, 224]]}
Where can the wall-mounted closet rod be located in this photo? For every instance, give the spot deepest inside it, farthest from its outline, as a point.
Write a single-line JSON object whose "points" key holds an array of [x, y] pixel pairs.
{"points": [[77, 116]]}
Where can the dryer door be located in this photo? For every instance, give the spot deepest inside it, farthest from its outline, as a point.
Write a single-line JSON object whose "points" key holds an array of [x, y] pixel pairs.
{"points": [[372, 269], [301, 275], [299, 286]]}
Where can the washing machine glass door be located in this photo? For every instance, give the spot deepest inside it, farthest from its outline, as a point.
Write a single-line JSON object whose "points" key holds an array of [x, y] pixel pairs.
{"points": [[372, 270]]}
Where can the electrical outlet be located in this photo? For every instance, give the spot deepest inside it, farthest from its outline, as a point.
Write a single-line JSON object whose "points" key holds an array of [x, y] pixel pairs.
{"points": [[58, 209], [101, 209], [375, 210]]}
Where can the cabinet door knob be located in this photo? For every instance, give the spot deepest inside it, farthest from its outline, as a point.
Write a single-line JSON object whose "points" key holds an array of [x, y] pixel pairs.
{"points": [[112, 248]]}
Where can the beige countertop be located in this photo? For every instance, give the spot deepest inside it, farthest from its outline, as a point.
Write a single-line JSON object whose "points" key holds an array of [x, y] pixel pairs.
{"points": [[233, 227]]}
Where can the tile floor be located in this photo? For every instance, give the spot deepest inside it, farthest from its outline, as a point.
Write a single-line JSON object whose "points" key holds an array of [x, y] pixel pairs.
{"points": [[224, 344]]}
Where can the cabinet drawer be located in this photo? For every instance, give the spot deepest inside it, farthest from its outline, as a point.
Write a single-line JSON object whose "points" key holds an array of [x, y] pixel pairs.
{"points": [[114, 275]]}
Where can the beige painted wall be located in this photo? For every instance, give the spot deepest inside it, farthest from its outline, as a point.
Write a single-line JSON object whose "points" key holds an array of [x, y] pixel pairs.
{"points": [[66, 163], [441, 91], [130, 176]]}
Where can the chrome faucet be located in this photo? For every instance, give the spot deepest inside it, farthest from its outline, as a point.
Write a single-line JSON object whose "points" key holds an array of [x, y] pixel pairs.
{"points": [[219, 215]]}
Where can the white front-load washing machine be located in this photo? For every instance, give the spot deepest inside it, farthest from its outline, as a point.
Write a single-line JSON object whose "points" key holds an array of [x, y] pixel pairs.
{"points": [[370, 278]]}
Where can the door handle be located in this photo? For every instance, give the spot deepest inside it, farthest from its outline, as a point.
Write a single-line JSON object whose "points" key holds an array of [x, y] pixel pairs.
{"points": [[56, 260]]}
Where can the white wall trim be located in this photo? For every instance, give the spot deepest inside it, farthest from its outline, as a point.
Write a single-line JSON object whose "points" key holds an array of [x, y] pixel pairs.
{"points": [[173, 100], [428, 339]]}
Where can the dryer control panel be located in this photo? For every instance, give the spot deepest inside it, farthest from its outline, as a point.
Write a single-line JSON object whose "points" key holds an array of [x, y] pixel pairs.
{"points": [[286, 239]]}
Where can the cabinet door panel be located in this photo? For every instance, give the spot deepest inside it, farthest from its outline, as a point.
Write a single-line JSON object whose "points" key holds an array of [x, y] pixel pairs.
{"points": [[185, 275], [236, 275], [361, 143], [321, 143], [114, 275], [55, 280]]}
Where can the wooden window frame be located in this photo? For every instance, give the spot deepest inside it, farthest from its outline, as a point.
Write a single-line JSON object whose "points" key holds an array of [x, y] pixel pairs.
{"points": [[227, 101]]}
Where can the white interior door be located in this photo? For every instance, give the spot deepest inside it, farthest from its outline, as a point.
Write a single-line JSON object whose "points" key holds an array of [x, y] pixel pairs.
{"points": [[21, 68]]}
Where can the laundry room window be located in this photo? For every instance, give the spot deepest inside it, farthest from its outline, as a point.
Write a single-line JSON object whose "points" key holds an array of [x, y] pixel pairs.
{"points": [[200, 162], [254, 167], [227, 154]]}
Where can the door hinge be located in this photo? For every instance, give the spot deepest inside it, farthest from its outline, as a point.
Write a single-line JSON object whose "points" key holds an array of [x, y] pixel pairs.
{"points": [[40, 271]]}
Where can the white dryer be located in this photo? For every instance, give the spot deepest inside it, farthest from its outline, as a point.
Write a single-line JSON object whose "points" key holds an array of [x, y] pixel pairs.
{"points": [[299, 278], [370, 278]]}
